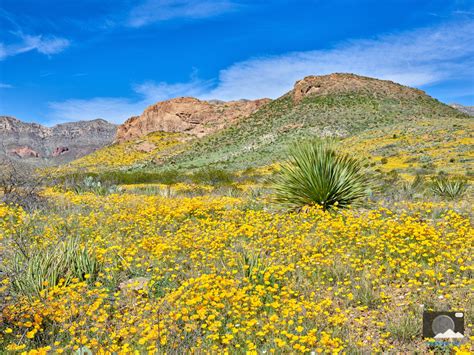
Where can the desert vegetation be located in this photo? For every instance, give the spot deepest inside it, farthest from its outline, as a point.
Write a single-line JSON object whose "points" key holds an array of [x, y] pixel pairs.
{"points": [[255, 238], [317, 174], [204, 260]]}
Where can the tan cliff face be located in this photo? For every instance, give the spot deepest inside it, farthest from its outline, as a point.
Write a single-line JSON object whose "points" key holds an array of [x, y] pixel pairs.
{"points": [[187, 115], [23, 152]]}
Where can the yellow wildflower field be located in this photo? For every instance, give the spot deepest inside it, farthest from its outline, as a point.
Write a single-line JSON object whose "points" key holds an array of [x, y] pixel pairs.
{"points": [[148, 148], [444, 146], [213, 273]]}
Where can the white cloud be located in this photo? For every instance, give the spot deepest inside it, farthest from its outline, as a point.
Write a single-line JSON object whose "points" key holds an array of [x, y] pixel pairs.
{"points": [[153, 92], [113, 109], [5, 86], [413, 58], [151, 11], [118, 109], [47, 45]]}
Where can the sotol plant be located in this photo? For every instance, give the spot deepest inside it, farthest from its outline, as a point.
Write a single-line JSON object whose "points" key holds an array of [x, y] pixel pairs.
{"points": [[317, 174], [449, 188], [32, 273]]}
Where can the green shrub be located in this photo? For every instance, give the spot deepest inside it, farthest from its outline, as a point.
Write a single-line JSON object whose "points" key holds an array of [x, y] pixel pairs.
{"points": [[416, 187], [32, 273], [168, 176], [449, 188], [89, 184], [316, 174], [405, 328], [212, 176]]}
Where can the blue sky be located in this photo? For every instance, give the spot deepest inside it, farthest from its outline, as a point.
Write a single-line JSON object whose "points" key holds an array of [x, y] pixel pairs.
{"points": [[66, 60]]}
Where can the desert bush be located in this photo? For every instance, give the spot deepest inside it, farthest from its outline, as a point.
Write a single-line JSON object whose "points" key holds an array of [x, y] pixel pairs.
{"points": [[416, 188], [212, 176], [20, 185], [90, 184], [366, 294], [317, 174], [168, 176], [450, 188], [231, 191], [405, 328], [33, 272]]}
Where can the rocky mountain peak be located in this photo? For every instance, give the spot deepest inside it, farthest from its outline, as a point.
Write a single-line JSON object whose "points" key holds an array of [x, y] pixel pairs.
{"points": [[342, 83], [188, 115]]}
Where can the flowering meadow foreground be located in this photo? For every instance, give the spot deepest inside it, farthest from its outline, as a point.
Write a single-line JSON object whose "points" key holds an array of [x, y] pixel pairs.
{"points": [[214, 273]]}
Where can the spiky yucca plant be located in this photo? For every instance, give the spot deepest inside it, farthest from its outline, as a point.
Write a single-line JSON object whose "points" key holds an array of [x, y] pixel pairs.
{"points": [[317, 174], [449, 188], [30, 274]]}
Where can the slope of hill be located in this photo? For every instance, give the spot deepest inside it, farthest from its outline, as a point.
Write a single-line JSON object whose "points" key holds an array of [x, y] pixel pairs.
{"points": [[337, 105], [428, 147], [152, 148], [39, 145]]}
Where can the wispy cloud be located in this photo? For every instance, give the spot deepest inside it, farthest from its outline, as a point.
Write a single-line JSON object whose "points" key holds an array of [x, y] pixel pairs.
{"points": [[113, 109], [47, 45], [118, 109], [153, 92], [414, 58], [151, 11], [5, 86]]}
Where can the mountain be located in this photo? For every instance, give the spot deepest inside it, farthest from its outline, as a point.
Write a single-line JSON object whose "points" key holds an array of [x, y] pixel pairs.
{"points": [[40, 145], [187, 115], [395, 127], [336, 105], [466, 109]]}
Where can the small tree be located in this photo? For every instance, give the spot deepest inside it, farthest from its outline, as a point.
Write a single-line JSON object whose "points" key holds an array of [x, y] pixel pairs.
{"points": [[317, 174], [19, 184]]}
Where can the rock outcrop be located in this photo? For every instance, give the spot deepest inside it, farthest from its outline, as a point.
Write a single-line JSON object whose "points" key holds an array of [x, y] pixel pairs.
{"points": [[60, 150], [340, 83], [189, 115], [24, 152], [62, 143]]}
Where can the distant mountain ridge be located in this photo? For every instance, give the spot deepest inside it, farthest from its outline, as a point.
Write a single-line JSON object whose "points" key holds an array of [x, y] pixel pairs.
{"points": [[466, 109], [41, 145]]}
